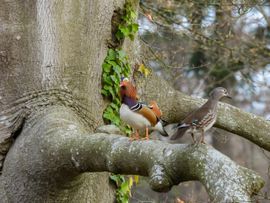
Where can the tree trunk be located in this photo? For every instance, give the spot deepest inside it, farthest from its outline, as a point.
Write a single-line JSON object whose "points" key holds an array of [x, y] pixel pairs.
{"points": [[52, 47], [50, 81]]}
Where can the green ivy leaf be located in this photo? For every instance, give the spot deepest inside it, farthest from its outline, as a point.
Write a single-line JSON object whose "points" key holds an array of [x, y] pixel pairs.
{"points": [[108, 116], [117, 69], [117, 101], [114, 106], [107, 87], [135, 27], [131, 36], [122, 178], [105, 93], [107, 80], [119, 35], [115, 79], [106, 67], [111, 55], [116, 120], [126, 18], [133, 15], [125, 187], [116, 179], [128, 130], [113, 63], [112, 93], [124, 199], [124, 30], [121, 55]]}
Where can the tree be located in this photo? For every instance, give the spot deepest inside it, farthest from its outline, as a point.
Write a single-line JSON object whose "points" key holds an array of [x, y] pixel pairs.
{"points": [[51, 58]]}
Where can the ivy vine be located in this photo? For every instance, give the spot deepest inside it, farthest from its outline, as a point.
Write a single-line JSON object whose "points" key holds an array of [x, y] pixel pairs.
{"points": [[115, 66], [124, 187], [127, 27]]}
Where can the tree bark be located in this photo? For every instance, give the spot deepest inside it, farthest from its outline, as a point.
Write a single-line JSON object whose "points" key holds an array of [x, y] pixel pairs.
{"points": [[55, 148], [51, 55], [57, 45]]}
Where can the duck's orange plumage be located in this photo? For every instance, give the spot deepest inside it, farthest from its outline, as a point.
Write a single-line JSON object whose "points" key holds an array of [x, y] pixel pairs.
{"points": [[153, 105]]}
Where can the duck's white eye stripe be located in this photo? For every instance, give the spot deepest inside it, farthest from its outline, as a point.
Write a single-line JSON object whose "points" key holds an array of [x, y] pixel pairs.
{"points": [[126, 79]]}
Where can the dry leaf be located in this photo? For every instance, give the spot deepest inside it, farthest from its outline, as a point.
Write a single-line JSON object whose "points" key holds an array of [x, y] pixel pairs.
{"points": [[144, 70]]}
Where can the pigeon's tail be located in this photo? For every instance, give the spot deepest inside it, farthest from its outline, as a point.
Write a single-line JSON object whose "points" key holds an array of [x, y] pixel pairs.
{"points": [[181, 129]]}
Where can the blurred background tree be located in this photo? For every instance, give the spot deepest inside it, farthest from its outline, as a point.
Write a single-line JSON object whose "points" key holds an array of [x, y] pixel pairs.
{"points": [[199, 45]]}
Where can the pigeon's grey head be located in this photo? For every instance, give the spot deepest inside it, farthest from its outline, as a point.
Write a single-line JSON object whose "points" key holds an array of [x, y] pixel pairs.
{"points": [[219, 92]]}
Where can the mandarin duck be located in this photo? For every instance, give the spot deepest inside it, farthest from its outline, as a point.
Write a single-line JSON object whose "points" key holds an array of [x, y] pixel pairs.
{"points": [[137, 114], [201, 119]]}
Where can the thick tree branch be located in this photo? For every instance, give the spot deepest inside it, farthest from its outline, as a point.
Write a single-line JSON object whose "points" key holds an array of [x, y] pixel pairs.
{"points": [[62, 148], [168, 165], [175, 105]]}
